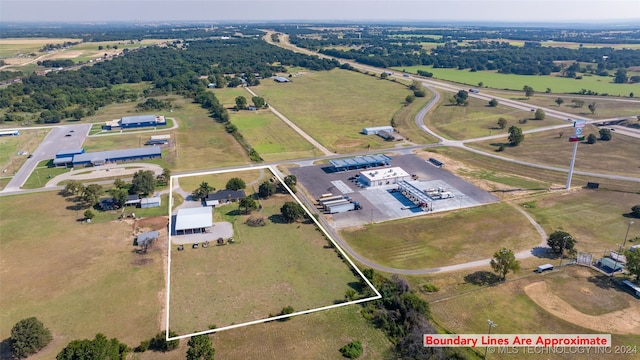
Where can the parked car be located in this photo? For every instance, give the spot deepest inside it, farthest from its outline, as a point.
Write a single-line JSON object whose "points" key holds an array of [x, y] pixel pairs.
{"points": [[30, 156]]}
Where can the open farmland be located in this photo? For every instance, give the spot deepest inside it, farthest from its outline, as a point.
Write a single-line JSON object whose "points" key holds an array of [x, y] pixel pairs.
{"points": [[429, 241], [264, 270], [515, 312], [599, 84], [10, 48], [605, 211], [76, 278], [547, 147], [334, 106], [478, 119]]}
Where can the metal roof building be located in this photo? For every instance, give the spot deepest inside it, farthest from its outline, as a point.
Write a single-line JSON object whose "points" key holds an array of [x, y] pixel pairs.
{"points": [[141, 121], [193, 220], [375, 130], [69, 153], [280, 79], [150, 202], [360, 162], [385, 176], [101, 157]]}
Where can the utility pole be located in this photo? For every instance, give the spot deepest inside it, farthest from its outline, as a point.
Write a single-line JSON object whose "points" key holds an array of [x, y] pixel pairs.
{"points": [[575, 139]]}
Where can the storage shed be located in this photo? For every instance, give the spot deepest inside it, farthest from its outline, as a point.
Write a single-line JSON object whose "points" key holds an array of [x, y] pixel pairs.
{"points": [[150, 202], [375, 130]]}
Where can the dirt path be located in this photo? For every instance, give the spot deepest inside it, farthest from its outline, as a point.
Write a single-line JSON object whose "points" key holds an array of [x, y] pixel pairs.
{"points": [[625, 321]]}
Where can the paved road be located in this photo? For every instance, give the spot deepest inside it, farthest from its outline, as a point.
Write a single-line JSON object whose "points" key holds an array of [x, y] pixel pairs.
{"points": [[54, 142]]}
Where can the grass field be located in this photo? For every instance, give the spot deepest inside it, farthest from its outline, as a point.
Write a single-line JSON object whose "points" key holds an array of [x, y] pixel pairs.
{"points": [[605, 107], [547, 147], [42, 174], [478, 119], [78, 279], [252, 179], [599, 84], [12, 47], [201, 142], [605, 211], [516, 313], [334, 106], [264, 270], [11, 146], [429, 241], [405, 121]]}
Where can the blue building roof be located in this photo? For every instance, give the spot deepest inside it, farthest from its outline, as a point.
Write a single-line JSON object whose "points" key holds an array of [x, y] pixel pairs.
{"points": [[69, 152], [138, 119], [116, 155]]}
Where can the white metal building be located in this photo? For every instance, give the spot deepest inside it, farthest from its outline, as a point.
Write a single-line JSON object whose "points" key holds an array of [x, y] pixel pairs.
{"points": [[193, 220], [385, 176], [375, 130]]}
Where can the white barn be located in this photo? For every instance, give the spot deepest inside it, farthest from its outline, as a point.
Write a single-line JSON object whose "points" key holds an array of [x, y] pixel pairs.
{"points": [[386, 176]]}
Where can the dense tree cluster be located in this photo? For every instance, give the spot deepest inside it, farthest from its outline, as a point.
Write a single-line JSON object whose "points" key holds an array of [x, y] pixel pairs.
{"points": [[28, 336], [98, 348], [56, 63]]}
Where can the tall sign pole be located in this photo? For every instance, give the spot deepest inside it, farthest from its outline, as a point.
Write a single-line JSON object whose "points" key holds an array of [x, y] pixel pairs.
{"points": [[575, 139]]}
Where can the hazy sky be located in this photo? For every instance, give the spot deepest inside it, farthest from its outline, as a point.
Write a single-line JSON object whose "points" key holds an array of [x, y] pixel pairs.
{"points": [[326, 10]]}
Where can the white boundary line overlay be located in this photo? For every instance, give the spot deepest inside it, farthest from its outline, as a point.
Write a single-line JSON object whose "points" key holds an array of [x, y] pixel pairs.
{"points": [[277, 174]]}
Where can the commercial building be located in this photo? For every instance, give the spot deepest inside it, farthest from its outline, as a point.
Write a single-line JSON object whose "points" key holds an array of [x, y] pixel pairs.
{"points": [[360, 162], [193, 220], [130, 122], [102, 157], [385, 176], [65, 157]]}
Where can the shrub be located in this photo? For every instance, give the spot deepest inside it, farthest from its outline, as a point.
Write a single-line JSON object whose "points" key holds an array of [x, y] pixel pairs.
{"points": [[352, 350], [28, 336], [160, 343], [430, 288], [144, 346], [255, 222]]}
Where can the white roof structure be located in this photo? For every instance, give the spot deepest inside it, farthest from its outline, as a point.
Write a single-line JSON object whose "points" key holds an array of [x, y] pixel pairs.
{"points": [[194, 218], [384, 174]]}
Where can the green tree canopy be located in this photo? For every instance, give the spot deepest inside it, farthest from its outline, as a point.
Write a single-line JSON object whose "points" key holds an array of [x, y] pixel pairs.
{"points": [[241, 103], [292, 211], [515, 136], [200, 348], [202, 191], [248, 204], [143, 182], [605, 134], [528, 91], [633, 262], [100, 348], [266, 189], [635, 211], [592, 107], [502, 123], [591, 139], [88, 214], [74, 187], [621, 76], [460, 98], [559, 101], [352, 350], [160, 343], [28, 336], [235, 184], [539, 114], [119, 196], [91, 194], [291, 180], [561, 241], [258, 102], [503, 262], [493, 103]]}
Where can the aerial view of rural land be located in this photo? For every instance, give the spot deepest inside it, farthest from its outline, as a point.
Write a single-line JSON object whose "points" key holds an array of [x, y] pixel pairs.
{"points": [[354, 179]]}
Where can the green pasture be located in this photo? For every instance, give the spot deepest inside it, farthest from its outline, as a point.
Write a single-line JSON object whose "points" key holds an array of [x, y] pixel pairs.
{"points": [[252, 178], [507, 305], [334, 106], [478, 119], [12, 47], [272, 138], [606, 212], [405, 121], [11, 146], [264, 270], [510, 180], [227, 96], [616, 156], [599, 84], [76, 278], [444, 239], [313, 336], [606, 107]]}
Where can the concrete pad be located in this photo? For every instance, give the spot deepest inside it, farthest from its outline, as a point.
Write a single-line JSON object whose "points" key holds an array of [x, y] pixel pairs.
{"points": [[222, 229]]}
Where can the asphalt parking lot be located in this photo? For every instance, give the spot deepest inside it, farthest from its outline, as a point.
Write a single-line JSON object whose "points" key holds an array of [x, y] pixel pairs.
{"points": [[378, 204]]}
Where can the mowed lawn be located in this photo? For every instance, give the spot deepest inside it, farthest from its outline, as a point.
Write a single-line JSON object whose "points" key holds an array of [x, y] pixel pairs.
{"points": [[515, 312], [599, 84], [444, 239], [218, 181], [334, 106], [477, 119], [11, 146], [595, 218], [264, 270], [617, 156], [78, 279]]}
